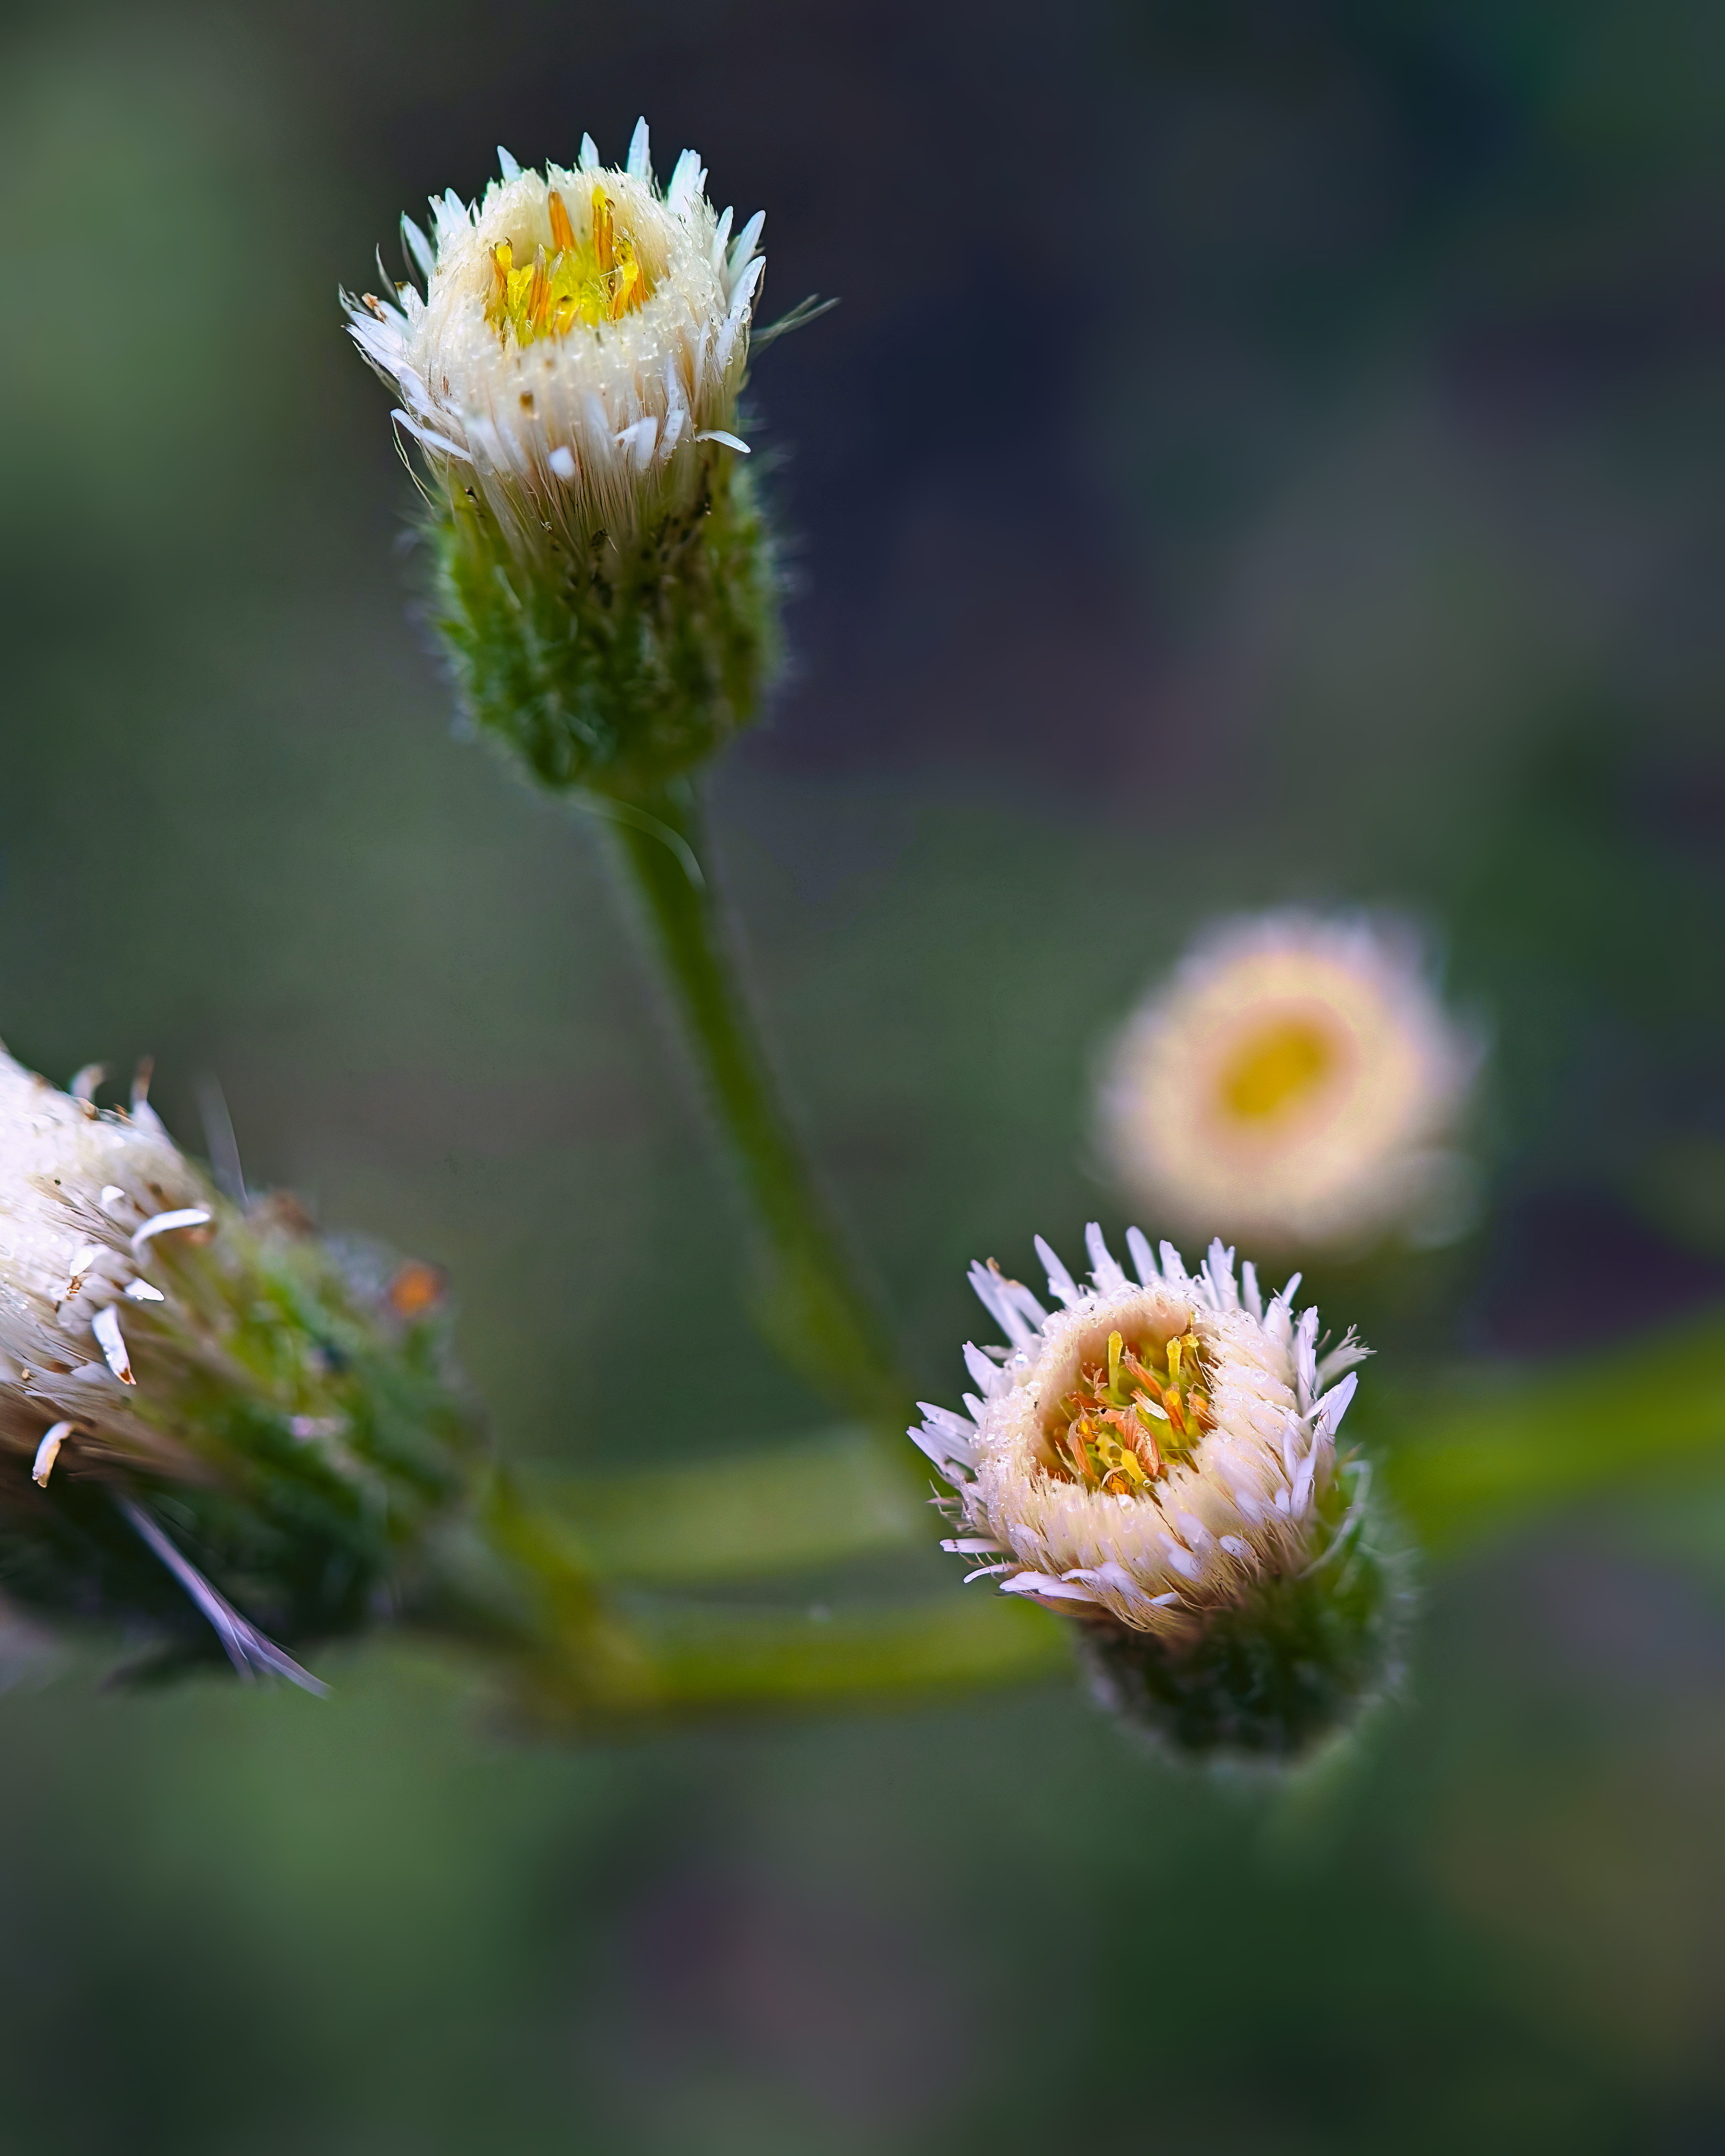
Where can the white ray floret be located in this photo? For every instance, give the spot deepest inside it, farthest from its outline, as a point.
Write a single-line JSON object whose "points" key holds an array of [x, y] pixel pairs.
{"points": [[1296, 1082], [1236, 1499], [567, 425], [160, 1224], [48, 1452]]}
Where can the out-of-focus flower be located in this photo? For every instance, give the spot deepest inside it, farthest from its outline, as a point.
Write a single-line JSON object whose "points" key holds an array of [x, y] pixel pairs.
{"points": [[1156, 1458], [1297, 1083], [570, 375], [193, 1393]]}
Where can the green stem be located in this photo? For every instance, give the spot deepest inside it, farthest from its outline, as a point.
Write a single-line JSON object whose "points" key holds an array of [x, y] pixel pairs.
{"points": [[700, 1662], [1506, 1448], [810, 1303], [519, 1591]]}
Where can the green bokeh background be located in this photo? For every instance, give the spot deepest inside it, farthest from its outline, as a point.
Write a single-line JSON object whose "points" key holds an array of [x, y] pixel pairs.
{"points": [[1266, 452]]}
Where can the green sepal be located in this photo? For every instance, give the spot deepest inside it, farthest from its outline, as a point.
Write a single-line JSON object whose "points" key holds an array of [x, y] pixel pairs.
{"points": [[615, 668]]}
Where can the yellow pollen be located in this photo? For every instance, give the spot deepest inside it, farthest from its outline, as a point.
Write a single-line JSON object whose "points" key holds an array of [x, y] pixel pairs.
{"points": [[1120, 1427], [597, 280], [1290, 1059]]}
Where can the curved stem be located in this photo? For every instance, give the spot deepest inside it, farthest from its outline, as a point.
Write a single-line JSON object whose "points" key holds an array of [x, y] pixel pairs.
{"points": [[810, 1303], [519, 1590]]}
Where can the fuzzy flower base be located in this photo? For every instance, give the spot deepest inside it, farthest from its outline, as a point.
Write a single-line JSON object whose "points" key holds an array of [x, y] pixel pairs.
{"points": [[1269, 1679], [618, 667]]}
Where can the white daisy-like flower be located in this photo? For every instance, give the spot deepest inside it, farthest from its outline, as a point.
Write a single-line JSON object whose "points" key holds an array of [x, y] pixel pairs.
{"points": [[1154, 1450], [576, 353], [89, 1198], [1297, 1083]]}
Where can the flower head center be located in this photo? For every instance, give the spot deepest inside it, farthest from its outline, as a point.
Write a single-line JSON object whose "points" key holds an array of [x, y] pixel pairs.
{"points": [[1281, 1065], [592, 276], [1128, 1417]]}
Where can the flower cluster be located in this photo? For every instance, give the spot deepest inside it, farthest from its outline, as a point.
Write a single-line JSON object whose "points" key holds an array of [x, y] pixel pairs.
{"points": [[1157, 1457], [1298, 1083]]}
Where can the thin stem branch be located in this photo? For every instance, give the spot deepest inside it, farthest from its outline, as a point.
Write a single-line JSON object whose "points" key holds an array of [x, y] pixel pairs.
{"points": [[520, 1592], [810, 1303]]}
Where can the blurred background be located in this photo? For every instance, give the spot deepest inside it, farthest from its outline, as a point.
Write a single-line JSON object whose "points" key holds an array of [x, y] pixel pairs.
{"points": [[1268, 449]]}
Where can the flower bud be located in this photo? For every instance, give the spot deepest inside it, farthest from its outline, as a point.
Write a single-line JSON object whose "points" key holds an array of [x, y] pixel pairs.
{"points": [[570, 376], [201, 1401], [1157, 1459], [1297, 1083]]}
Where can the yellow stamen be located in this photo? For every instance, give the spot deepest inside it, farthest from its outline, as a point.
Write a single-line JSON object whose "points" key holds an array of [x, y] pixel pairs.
{"points": [[594, 280], [1100, 1434], [628, 274]]}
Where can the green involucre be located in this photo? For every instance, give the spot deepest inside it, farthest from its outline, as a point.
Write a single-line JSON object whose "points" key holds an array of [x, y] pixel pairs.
{"points": [[325, 1439], [1271, 1677], [616, 669]]}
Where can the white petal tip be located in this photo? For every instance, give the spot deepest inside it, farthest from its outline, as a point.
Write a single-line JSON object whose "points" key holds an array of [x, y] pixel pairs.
{"points": [[1043, 1588], [48, 1452], [161, 1223], [640, 167], [105, 1326]]}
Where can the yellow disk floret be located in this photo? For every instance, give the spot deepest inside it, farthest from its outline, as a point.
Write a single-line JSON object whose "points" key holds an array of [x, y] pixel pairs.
{"points": [[594, 279], [1278, 1068], [1120, 1426]]}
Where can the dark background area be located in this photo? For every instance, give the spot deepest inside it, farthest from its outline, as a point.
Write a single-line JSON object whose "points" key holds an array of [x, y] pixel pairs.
{"points": [[1264, 452]]}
